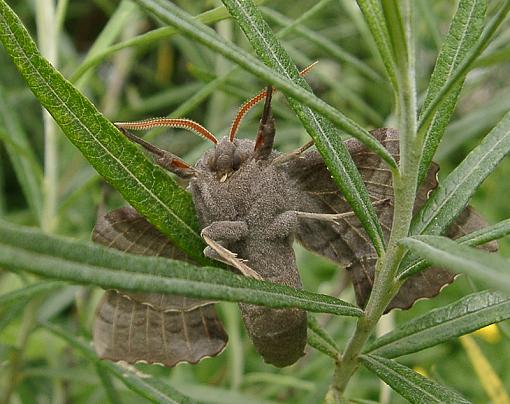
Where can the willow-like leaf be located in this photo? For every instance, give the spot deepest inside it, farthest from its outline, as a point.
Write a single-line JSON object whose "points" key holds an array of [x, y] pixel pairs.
{"points": [[452, 194], [145, 186], [466, 27], [374, 18], [439, 325], [412, 266], [409, 384], [489, 269], [87, 263], [173, 15]]}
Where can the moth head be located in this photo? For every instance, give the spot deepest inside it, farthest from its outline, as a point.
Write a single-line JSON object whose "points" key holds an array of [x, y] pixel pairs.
{"points": [[225, 158]]}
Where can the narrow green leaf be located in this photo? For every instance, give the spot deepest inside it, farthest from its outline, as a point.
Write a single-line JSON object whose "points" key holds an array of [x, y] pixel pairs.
{"points": [[409, 384], [124, 14], [326, 139], [145, 186], [28, 292], [465, 65], [173, 15], [412, 266], [314, 325], [321, 340], [147, 386], [28, 170], [396, 31], [318, 343], [87, 263], [400, 24], [489, 269], [439, 325], [145, 40], [106, 380], [466, 27], [452, 195], [374, 18], [477, 122], [322, 42], [489, 233]]}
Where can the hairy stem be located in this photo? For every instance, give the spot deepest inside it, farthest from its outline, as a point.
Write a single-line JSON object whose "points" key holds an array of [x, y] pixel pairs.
{"points": [[404, 186]]}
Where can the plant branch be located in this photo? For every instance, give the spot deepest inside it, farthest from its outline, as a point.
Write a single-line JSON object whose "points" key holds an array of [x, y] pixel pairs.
{"points": [[404, 186]]}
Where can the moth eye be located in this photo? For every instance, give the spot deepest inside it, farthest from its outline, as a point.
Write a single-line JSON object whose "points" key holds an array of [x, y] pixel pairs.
{"points": [[211, 162], [236, 160]]}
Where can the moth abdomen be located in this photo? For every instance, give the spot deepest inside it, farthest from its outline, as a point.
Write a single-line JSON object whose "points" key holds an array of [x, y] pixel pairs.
{"points": [[279, 335]]}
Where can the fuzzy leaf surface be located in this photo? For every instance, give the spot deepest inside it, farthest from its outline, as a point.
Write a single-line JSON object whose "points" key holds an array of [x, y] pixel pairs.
{"points": [[409, 384], [144, 185], [87, 263], [490, 269], [442, 324]]}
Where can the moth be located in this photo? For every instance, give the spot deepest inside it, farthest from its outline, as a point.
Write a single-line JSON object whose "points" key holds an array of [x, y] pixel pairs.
{"points": [[252, 204]]}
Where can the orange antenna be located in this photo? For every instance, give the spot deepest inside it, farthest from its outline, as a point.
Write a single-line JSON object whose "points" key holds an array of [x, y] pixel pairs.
{"points": [[169, 123], [254, 101]]}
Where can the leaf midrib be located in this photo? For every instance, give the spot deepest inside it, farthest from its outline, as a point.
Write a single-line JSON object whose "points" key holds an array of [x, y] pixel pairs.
{"points": [[454, 63], [94, 138], [435, 326], [406, 380], [451, 193], [336, 307], [311, 113]]}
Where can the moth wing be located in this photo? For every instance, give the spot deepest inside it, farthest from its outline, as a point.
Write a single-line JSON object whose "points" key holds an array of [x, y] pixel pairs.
{"points": [[151, 327], [345, 242]]}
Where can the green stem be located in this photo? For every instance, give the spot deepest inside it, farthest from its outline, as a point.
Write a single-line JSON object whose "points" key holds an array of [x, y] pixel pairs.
{"points": [[48, 42], [404, 185]]}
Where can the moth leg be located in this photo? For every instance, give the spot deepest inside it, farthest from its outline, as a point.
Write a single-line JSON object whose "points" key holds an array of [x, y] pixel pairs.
{"points": [[218, 235], [227, 231], [334, 217], [222, 233], [283, 225], [293, 154], [163, 158]]}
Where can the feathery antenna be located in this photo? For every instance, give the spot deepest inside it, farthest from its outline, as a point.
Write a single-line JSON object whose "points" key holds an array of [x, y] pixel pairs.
{"points": [[254, 101], [169, 123]]}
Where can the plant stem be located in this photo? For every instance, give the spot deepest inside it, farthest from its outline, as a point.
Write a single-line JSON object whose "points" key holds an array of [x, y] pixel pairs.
{"points": [[404, 187], [47, 37]]}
